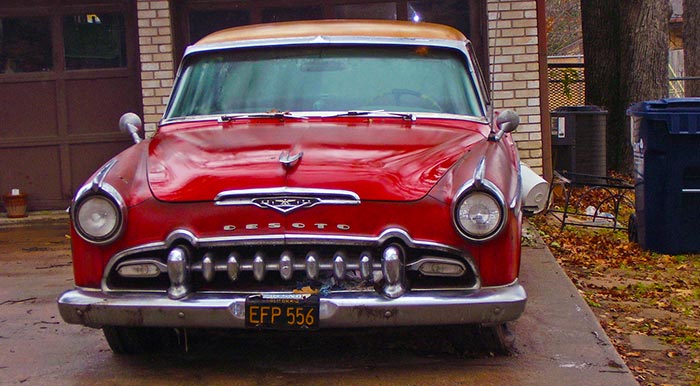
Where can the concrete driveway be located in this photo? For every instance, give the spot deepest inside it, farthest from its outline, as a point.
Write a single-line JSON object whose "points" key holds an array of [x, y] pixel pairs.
{"points": [[559, 340]]}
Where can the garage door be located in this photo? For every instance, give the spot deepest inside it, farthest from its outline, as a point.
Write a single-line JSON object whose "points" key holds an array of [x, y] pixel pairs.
{"points": [[67, 72], [197, 18]]}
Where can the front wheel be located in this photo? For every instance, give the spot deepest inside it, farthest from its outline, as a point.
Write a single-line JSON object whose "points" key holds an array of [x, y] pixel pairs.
{"points": [[139, 340], [495, 339]]}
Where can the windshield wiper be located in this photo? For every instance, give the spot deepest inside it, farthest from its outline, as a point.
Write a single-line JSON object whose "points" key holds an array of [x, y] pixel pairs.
{"points": [[274, 115], [358, 113]]}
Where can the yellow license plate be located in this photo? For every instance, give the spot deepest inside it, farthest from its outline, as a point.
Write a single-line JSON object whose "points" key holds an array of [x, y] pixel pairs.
{"points": [[282, 311]]}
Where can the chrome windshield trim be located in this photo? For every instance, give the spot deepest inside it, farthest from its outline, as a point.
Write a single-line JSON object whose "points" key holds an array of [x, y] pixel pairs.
{"points": [[336, 114], [325, 40]]}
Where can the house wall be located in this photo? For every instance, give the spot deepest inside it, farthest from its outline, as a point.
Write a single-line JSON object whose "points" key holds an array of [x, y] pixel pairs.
{"points": [[512, 36], [157, 62], [513, 42]]}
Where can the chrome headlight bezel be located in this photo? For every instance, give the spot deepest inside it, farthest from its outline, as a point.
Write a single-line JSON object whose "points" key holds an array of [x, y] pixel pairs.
{"points": [[110, 195], [469, 191]]}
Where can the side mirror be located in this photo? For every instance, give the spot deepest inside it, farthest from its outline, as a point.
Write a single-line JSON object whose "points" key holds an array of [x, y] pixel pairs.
{"points": [[506, 122], [131, 123]]}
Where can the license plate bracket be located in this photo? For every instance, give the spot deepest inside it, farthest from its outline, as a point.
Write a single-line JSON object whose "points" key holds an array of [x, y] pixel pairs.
{"points": [[282, 311]]}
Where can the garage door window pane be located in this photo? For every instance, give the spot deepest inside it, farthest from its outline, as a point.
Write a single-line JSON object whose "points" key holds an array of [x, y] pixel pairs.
{"points": [[94, 41], [25, 45], [366, 11], [272, 15], [454, 13], [203, 23]]}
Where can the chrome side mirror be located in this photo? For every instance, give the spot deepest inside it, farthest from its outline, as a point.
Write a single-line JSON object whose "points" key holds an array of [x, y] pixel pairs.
{"points": [[506, 122], [131, 123]]}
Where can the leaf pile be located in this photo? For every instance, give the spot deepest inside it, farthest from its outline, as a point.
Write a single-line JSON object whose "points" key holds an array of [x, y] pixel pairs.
{"points": [[638, 296]]}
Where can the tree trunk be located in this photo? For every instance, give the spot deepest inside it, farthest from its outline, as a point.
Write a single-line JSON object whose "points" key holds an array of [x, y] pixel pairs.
{"points": [[625, 46], [691, 46], [601, 50]]}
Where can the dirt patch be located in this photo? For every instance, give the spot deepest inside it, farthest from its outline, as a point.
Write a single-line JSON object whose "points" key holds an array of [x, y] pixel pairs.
{"points": [[649, 304]]}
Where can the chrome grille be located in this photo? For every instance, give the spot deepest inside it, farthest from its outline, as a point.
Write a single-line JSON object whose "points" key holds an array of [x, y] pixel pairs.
{"points": [[278, 268]]}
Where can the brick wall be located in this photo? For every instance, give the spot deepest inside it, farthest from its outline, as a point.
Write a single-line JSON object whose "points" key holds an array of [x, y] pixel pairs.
{"points": [[513, 45], [156, 49]]}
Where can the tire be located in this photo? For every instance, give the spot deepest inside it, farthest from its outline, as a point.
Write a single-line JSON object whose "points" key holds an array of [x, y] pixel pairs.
{"points": [[139, 340], [495, 339]]}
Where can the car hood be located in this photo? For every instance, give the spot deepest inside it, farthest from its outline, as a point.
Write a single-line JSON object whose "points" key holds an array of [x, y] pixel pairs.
{"points": [[386, 160]]}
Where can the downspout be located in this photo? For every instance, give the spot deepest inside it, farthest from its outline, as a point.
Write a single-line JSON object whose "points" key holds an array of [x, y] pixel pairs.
{"points": [[545, 124]]}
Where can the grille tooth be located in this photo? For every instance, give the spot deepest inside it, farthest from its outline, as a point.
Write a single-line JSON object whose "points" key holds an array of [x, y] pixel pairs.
{"points": [[232, 266], [208, 269], [286, 265], [339, 265], [366, 265], [259, 266], [312, 265]]}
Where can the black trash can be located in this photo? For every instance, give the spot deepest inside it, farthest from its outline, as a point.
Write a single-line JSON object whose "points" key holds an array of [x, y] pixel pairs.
{"points": [[578, 140], [665, 137]]}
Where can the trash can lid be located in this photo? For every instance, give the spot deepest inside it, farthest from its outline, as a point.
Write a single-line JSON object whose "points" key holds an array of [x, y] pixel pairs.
{"points": [[682, 115], [579, 109], [670, 105]]}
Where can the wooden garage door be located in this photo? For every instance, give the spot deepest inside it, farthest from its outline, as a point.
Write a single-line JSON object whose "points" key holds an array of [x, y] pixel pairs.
{"points": [[196, 18], [68, 70]]}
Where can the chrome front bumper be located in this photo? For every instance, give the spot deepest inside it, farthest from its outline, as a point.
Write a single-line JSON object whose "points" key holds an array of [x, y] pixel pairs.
{"points": [[94, 308]]}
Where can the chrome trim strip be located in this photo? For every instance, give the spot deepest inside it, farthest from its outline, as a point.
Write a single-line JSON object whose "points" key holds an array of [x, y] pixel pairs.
{"points": [[347, 309], [517, 198], [690, 190], [102, 174], [245, 195], [480, 171]]}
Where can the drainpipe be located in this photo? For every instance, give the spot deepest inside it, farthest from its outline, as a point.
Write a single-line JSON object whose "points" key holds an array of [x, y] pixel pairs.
{"points": [[544, 90]]}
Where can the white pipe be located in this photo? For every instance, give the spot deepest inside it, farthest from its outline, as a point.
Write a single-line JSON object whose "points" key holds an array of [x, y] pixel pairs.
{"points": [[534, 190]]}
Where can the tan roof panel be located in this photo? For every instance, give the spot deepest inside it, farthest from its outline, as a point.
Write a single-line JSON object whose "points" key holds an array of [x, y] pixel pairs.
{"points": [[362, 28]]}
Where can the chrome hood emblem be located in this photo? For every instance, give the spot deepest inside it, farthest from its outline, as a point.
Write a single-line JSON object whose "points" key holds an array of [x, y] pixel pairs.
{"points": [[285, 204], [286, 199]]}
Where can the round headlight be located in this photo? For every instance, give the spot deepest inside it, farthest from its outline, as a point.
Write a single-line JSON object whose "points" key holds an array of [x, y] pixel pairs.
{"points": [[98, 218], [479, 215]]}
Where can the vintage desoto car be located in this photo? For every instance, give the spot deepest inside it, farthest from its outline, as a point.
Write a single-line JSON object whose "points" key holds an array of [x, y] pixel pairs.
{"points": [[307, 175]]}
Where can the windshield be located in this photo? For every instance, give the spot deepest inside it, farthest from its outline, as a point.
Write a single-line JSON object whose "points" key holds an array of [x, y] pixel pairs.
{"points": [[353, 78]]}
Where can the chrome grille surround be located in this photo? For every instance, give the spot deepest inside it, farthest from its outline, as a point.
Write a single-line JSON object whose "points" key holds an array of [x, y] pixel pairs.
{"points": [[283, 263]]}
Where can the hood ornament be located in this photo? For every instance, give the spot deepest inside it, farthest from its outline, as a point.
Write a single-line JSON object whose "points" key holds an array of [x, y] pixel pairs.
{"points": [[288, 160]]}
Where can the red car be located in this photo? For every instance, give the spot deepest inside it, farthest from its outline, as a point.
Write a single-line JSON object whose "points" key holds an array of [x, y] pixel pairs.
{"points": [[307, 175]]}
